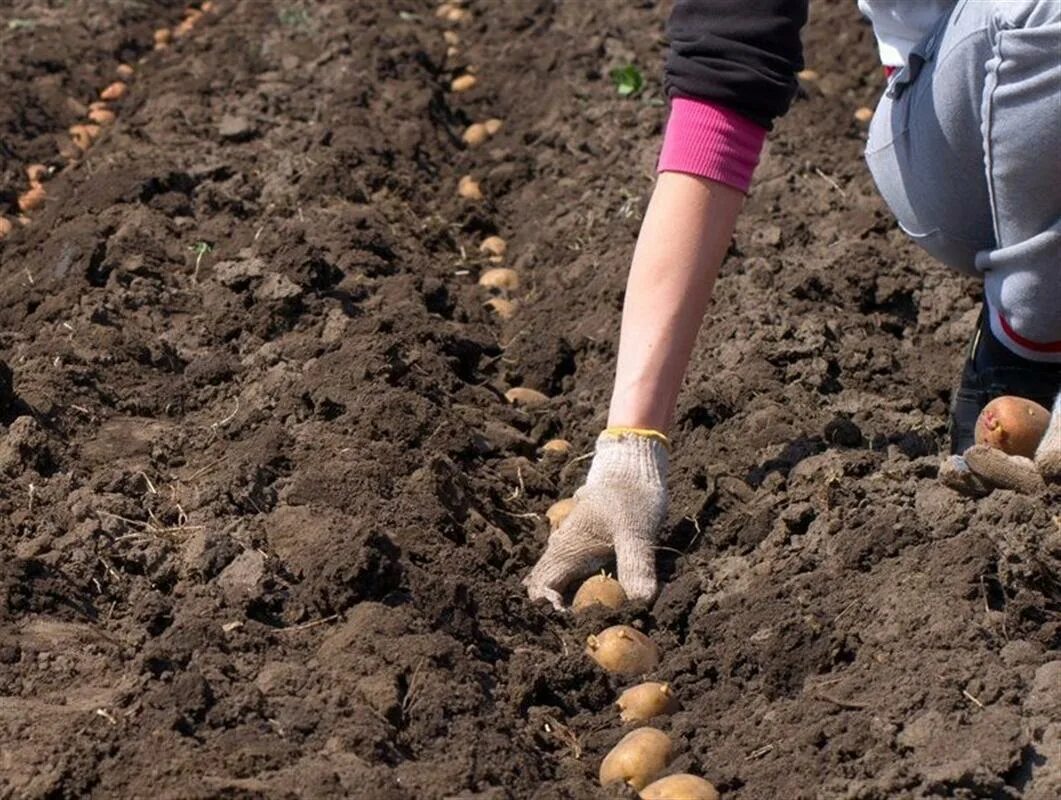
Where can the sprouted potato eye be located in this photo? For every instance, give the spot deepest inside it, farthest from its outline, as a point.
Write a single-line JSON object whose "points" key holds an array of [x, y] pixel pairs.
{"points": [[682, 786], [599, 590], [1013, 425], [623, 650], [522, 396], [637, 758], [646, 700], [558, 511]]}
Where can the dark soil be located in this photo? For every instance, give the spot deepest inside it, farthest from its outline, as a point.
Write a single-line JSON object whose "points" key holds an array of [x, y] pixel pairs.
{"points": [[264, 510]]}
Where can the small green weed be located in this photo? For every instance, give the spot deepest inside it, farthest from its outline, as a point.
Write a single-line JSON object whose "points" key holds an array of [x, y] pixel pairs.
{"points": [[628, 80]]}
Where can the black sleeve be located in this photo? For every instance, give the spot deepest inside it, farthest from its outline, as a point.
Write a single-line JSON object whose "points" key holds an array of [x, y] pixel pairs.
{"points": [[743, 54]]}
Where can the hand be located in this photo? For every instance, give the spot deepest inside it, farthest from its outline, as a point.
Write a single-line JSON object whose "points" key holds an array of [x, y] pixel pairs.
{"points": [[982, 469], [620, 507]]}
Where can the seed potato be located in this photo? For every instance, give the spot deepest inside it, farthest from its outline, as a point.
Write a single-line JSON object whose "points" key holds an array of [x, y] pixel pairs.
{"points": [[500, 278], [468, 188], [522, 396], [623, 650], [558, 446], [6, 226], [1013, 425], [31, 198], [680, 787], [494, 245], [599, 590], [506, 309], [113, 92], [558, 511], [646, 700], [463, 83], [475, 134], [637, 758]]}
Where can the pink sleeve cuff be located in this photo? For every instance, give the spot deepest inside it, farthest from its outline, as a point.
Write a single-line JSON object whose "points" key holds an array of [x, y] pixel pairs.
{"points": [[711, 141]]}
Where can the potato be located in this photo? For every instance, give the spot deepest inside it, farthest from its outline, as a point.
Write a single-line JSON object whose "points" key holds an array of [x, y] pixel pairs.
{"points": [[113, 92], [207, 7], [6, 226], [36, 173], [500, 278], [522, 396], [494, 245], [1013, 425], [463, 83], [680, 787], [475, 134], [558, 511], [124, 71], [31, 198], [84, 135], [101, 116], [559, 447], [163, 36], [623, 650], [451, 38], [468, 188], [646, 700], [599, 590], [443, 10], [863, 114], [456, 15], [493, 125], [452, 52], [506, 309], [637, 758], [808, 75]]}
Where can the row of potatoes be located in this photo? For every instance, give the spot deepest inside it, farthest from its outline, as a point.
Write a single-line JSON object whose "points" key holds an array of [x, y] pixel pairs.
{"points": [[645, 752]]}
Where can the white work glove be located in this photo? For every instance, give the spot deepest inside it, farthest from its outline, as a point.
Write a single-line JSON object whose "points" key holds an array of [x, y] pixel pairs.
{"points": [[620, 507], [981, 469]]}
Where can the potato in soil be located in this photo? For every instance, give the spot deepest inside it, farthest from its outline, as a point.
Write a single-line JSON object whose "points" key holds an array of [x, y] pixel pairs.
{"points": [[637, 758], [559, 511], [623, 650], [1013, 425], [646, 700], [500, 278], [522, 396], [680, 787], [599, 590]]}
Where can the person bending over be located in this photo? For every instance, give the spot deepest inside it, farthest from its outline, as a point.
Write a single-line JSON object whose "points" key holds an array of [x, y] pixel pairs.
{"points": [[965, 148]]}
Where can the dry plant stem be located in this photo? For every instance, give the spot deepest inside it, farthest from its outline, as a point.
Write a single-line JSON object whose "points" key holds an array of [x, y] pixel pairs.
{"points": [[683, 240]]}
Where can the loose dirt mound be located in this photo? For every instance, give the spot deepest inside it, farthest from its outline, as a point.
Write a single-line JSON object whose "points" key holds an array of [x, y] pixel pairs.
{"points": [[264, 509]]}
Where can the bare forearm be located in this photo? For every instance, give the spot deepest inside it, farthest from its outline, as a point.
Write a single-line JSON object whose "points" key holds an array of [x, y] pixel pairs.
{"points": [[683, 240]]}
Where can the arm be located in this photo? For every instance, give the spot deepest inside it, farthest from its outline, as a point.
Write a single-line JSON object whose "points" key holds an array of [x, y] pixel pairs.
{"points": [[731, 70], [683, 240]]}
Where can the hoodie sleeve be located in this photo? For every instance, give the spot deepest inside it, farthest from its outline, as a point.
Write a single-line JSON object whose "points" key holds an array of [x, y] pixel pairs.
{"points": [[730, 72], [742, 55]]}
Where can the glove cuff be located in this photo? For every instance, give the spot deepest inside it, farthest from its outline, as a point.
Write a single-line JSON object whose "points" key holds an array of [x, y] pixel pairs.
{"points": [[631, 456]]}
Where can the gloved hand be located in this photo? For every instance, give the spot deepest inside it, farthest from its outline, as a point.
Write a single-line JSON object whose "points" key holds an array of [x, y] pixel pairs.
{"points": [[981, 469], [620, 507]]}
